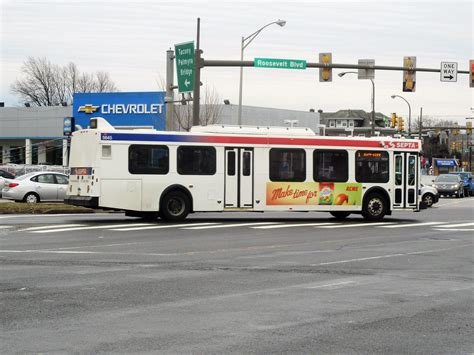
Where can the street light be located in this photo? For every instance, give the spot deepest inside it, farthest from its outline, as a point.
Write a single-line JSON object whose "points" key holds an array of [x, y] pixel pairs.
{"points": [[409, 113], [372, 133], [245, 42]]}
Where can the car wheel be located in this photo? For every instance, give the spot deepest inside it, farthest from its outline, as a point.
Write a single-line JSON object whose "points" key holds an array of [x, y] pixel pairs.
{"points": [[340, 214], [375, 207], [175, 206], [428, 199], [31, 197]]}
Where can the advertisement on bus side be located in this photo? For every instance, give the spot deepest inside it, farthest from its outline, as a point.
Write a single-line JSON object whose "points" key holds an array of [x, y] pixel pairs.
{"points": [[314, 193]]}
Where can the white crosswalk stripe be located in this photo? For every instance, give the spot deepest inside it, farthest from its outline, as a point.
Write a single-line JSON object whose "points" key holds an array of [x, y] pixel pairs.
{"points": [[161, 226], [454, 229], [52, 226], [91, 227], [406, 225], [5, 227], [352, 225], [231, 225], [292, 225]]}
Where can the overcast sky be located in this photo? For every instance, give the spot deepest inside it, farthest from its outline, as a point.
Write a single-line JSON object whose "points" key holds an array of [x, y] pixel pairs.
{"points": [[129, 40]]}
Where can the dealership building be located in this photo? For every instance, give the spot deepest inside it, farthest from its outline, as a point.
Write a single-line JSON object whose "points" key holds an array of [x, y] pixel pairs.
{"points": [[36, 135]]}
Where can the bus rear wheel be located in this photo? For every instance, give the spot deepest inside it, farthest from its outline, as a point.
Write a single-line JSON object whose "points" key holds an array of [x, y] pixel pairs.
{"points": [[340, 214], [175, 206], [375, 207]]}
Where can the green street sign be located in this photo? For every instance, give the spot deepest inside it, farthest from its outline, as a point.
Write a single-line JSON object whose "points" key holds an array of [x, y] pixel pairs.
{"points": [[185, 66], [279, 63]]}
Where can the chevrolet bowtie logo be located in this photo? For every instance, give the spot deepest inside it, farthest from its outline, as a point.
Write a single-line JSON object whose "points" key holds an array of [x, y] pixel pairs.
{"points": [[88, 108]]}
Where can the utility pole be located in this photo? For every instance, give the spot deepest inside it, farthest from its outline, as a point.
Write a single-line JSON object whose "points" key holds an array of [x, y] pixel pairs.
{"points": [[420, 123], [197, 77], [169, 98]]}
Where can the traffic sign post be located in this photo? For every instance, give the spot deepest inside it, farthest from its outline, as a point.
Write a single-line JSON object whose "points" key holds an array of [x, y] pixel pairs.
{"points": [[185, 66], [366, 73], [279, 63], [449, 72]]}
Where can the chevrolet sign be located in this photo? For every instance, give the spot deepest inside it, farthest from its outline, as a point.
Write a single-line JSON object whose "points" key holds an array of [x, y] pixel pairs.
{"points": [[121, 108]]}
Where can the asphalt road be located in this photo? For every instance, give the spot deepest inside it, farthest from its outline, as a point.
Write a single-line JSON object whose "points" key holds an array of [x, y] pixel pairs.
{"points": [[242, 283]]}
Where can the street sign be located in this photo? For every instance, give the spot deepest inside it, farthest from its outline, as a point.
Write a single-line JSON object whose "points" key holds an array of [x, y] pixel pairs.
{"points": [[449, 72], [185, 66], [325, 74], [409, 76], [366, 73], [279, 63]]}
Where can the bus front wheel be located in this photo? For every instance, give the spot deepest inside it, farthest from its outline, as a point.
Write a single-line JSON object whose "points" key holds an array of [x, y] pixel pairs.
{"points": [[175, 206], [375, 207]]}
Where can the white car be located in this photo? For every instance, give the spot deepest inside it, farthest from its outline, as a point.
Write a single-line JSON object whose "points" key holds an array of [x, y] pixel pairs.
{"points": [[5, 178], [36, 187], [429, 195]]}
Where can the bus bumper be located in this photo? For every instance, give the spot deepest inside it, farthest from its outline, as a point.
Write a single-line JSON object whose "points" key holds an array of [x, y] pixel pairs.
{"points": [[85, 201]]}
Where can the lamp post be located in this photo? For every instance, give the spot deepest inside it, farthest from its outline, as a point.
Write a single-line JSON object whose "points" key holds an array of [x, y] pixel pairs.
{"points": [[372, 133], [245, 42], [409, 113]]}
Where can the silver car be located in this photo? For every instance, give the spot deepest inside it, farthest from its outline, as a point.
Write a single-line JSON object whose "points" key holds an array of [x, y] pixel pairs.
{"points": [[36, 187]]}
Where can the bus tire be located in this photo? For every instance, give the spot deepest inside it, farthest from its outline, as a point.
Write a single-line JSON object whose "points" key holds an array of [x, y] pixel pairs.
{"points": [[340, 214], [375, 207], [175, 206]]}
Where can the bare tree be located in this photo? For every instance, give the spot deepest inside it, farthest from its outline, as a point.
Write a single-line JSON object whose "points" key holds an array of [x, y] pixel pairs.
{"points": [[48, 84], [210, 112]]}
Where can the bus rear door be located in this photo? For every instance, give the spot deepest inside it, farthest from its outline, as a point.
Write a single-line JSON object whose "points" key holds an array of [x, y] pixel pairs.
{"points": [[238, 184]]}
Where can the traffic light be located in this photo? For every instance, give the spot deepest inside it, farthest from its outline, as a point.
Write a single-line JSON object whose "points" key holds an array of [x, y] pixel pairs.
{"points": [[469, 128], [459, 146], [325, 74], [471, 73], [401, 124], [409, 76], [394, 120], [453, 146]]}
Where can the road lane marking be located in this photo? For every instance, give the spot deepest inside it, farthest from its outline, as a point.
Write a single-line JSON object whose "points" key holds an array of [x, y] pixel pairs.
{"points": [[351, 225], [411, 225], [92, 227], [161, 226], [5, 227], [54, 251], [387, 256], [456, 225], [53, 226], [453, 229], [334, 284], [231, 225], [55, 215], [292, 225]]}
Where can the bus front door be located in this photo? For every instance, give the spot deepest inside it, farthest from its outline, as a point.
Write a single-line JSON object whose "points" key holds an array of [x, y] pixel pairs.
{"points": [[238, 184], [406, 182]]}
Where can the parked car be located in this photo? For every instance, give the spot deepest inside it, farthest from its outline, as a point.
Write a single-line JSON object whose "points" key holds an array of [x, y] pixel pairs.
{"points": [[467, 181], [5, 178], [36, 187], [429, 195], [449, 185]]}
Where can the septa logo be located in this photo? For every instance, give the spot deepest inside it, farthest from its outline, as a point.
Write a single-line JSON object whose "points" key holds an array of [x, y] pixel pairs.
{"points": [[406, 145], [88, 108]]}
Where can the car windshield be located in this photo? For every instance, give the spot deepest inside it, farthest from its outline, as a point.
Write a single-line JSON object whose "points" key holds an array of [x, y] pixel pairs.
{"points": [[26, 176], [447, 178]]}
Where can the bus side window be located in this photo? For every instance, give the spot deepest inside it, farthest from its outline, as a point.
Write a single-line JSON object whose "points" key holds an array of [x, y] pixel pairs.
{"points": [[330, 165], [196, 160], [372, 166], [148, 159], [287, 164]]}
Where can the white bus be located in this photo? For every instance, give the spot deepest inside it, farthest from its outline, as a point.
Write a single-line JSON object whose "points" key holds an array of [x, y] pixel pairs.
{"points": [[151, 173]]}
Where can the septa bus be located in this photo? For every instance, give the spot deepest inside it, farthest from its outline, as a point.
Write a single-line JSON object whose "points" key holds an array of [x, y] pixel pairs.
{"points": [[149, 173]]}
